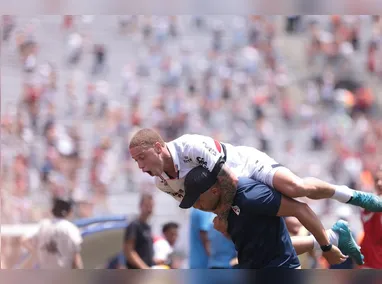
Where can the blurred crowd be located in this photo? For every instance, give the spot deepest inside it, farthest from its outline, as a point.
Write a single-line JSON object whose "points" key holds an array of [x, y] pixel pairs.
{"points": [[234, 78]]}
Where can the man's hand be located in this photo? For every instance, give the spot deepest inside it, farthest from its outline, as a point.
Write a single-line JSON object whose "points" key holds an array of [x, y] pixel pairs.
{"points": [[334, 256], [221, 225]]}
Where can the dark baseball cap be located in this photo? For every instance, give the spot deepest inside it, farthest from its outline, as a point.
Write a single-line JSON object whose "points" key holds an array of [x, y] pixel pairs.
{"points": [[197, 181]]}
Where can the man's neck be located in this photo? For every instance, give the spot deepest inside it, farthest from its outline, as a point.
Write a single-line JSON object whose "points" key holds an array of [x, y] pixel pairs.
{"points": [[169, 166], [219, 208], [143, 218]]}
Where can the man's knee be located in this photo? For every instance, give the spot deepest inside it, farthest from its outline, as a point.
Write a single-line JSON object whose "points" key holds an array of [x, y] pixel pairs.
{"points": [[298, 189], [289, 184]]}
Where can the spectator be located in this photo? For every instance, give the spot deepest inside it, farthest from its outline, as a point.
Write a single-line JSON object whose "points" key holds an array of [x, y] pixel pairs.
{"points": [[164, 245], [308, 260], [57, 243], [371, 246], [99, 59], [222, 250], [199, 243], [138, 242]]}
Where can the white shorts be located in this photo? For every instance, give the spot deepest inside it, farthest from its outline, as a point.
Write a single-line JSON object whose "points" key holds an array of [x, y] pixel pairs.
{"points": [[252, 163], [265, 169]]}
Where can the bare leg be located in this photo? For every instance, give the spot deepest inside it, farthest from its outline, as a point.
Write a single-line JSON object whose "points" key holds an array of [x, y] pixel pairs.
{"points": [[302, 244], [293, 186]]}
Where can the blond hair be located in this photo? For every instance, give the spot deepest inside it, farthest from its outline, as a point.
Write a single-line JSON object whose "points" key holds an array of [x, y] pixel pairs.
{"points": [[146, 137]]}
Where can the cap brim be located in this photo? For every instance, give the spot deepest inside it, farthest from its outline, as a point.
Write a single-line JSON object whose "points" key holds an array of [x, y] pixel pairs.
{"points": [[188, 201]]}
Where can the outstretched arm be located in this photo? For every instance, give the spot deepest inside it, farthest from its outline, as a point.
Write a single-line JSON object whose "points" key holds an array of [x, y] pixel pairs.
{"points": [[291, 207], [265, 200], [306, 216]]}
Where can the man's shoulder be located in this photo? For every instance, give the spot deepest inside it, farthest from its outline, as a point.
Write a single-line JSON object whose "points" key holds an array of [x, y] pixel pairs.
{"points": [[252, 189], [68, 228], [201, 214], [181, 139], [134, 222], [245, 183], [189, 139], [65, 224]]}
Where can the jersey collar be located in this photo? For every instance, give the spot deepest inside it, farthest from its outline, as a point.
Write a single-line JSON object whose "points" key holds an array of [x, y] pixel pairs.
{"points": [[174, 155]]}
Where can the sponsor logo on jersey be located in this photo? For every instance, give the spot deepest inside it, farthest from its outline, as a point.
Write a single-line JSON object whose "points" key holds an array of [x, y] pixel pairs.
{"points": [[201, 162], [162, 180], [236, 209], [211, 150], [187, 159], [175, 194]]}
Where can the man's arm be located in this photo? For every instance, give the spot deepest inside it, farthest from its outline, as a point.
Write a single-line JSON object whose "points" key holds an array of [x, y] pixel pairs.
{"points": [[264, 200], [205, 241], [29, 243], [306, 216], [132, 256], [77, 261], [291, 207], [204, 224]]}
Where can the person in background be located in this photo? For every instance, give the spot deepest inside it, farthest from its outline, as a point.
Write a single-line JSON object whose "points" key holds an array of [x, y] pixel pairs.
{"points": [[57, 242], [164, 245], [199, 243], [371, 245], [222, 250], [138, 243], [296, 229]]}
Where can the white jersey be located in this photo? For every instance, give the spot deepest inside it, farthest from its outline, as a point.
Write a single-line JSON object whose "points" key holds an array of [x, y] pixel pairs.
{"points": [[57, 241], [162, 249], [191, 150]]}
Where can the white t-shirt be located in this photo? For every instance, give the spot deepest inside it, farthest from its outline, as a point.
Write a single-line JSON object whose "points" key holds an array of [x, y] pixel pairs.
{"points": [[57, 241], [192, 150], [162, 249]]}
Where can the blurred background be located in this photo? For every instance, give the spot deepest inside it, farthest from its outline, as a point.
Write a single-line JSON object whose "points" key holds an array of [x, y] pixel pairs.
{"points": [[304, 89]]}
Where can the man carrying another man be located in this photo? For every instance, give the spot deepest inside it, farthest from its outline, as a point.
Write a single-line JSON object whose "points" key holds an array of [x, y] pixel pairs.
{"points": [[256, 226]]}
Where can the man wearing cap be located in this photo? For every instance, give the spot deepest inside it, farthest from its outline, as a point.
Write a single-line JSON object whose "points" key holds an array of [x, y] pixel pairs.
{"points": [[256, 226], [57, 242]]}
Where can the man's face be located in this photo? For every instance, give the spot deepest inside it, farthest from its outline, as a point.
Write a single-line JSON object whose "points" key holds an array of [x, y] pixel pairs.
{"points": [[147, 207], [209, 200], [148, 159], [378, 182], [171, 236]]}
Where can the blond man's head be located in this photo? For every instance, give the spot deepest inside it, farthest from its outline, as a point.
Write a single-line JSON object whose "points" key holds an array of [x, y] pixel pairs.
{"points": [[146, 148], [147, 138]]}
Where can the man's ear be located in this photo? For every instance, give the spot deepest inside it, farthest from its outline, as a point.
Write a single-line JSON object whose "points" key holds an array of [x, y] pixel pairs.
{"points": [[157, 148], [215, 189]]}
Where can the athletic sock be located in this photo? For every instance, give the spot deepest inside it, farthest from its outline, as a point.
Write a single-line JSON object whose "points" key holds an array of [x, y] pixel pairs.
{"points": [[343, 193]]}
